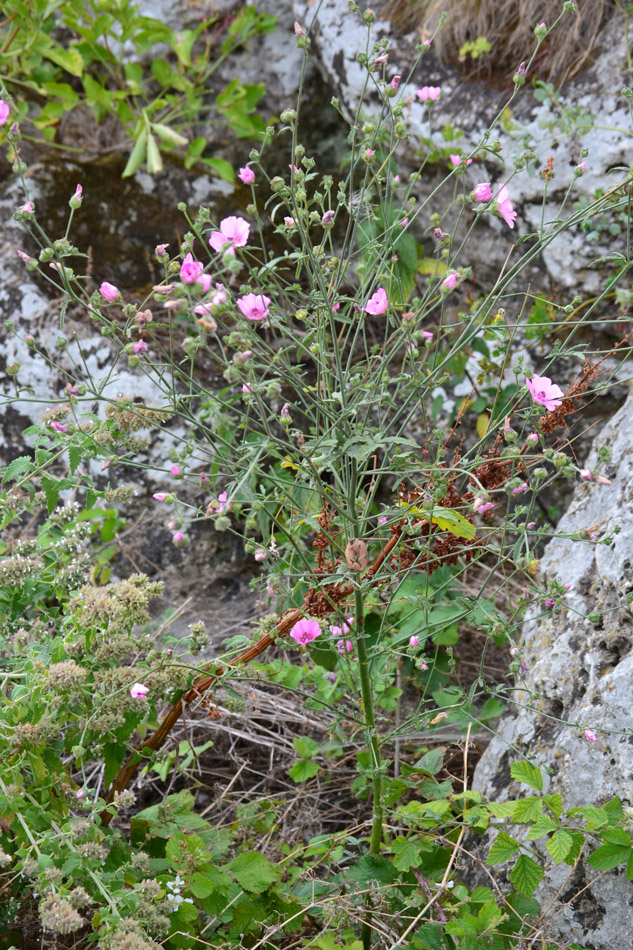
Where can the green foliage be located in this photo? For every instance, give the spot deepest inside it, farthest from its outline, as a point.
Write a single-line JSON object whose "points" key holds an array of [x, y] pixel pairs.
{"points": [[154, 80]]}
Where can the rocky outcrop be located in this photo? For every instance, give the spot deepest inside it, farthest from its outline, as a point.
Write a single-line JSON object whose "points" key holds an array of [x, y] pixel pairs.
{"points": [[580, 673]]}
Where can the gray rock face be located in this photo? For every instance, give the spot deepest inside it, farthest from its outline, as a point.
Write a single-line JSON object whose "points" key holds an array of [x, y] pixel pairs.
{"points": [[556, 130], [582, 673]]}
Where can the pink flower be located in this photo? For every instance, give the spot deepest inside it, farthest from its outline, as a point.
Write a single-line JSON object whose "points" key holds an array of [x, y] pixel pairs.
{"points": [[139, 691], [383, 519], [414, 641], [254, 306], [234, 231], [523, 487], [567, 586], [247, 175], [204, 281], [586, 473], [482, 506], [218, 297], [224, 504], [451, 280], [190, 269], [294, 169], [344, 646], [545, 392], [422, 665], [343, 630], [59, 427], [404, 222], [589, 735], [27, 207], [427, 335], [378, 303], [178, 537], [482, 191], [285, 410], [246, 388], [428, 93], [505, 206], [580, 168], [305, 630], [260, 555], [139, 347], [78, 193], [176, 470], [328, 217], [395, 82], [108, 291], [369, 152], [530, 525], [243, 356], [336, 307], [80, 794], [289, 222], [459, 159], [5, 109], [396, 178], [160, 250], [532, 437], [550, 602], [160, 495]]}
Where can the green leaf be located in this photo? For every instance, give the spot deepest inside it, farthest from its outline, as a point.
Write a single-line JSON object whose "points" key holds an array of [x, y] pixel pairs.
{"points": [[75, 454], [528, 809], [113, 755], [69, 59], [169, 135], [373, 867], [526, 875], [305, 747], [528, 774], [554, 803], [406, 853], [302, 770], [492, 708], [222, 168], [608, 856], [254, 872], [17, 467], [559, 845], [137, 155], [154, 158], [502, 809], [503, 849], [543, 826]]}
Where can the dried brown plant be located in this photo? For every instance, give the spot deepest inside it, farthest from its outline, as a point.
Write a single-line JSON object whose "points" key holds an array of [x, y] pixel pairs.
{"points": [[508, 25]]}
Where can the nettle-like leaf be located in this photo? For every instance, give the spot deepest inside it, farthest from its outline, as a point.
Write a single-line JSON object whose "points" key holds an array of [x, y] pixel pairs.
{"points": [[503, 848], [526, 875], [528, 774], [254, 872]]}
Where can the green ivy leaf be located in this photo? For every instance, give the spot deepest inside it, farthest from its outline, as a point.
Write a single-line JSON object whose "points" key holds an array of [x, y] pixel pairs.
{"points": [[503, 848], [254, 872], [526, 875], [528, 774]]}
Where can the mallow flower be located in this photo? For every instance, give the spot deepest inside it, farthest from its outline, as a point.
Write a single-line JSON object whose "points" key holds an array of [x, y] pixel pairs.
{"points": [[109, 291], [247, 175], [505, 206], [233, 230], [377, 303], [545, 392], [190, 269], [254, 306], [305, 630]]}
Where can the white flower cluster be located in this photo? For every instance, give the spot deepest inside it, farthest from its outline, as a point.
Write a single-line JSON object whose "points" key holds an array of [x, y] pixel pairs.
{"points": [[175, 897]]}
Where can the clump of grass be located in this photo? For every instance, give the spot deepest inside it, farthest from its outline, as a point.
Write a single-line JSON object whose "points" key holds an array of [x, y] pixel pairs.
{"points": [[508, 25]]}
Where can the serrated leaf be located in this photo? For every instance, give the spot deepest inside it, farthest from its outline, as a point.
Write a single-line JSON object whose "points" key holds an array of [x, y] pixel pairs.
{"points": [[20, 465], [503, 848], [305, 746], [302, 770], [406, 853], [528, 774], [543, 826], [526, 875], [608, 856], [454, 522], [68, 59], [253, 871], [559, 845], [502, 809], [74, 457], [528, 809], [554, 803]]}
